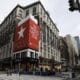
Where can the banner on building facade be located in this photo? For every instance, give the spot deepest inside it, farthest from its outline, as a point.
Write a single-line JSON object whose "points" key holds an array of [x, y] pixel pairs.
{"points": [[26, 35]]}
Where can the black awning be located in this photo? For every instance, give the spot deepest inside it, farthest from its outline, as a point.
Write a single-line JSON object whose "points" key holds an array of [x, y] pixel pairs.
{"points": [[26, 59]]}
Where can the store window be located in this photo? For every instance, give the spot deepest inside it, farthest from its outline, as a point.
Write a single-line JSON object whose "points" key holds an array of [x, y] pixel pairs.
{"points": [[14, 56], [17, 56], [36, 55], [32, 54], [23, 54]]}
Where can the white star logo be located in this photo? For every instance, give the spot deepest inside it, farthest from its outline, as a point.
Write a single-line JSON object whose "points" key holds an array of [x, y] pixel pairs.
{"points": [[21, 32]]}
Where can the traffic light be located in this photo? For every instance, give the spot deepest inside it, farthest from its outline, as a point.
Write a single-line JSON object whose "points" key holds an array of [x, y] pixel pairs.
{"points": [[74, 5], [78, 3], [71, 4]]}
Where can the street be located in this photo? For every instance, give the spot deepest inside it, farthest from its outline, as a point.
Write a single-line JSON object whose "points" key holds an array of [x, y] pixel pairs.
{"points": [[26, 77]]}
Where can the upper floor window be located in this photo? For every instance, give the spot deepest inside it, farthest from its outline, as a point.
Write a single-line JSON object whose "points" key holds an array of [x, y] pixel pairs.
{"points": [[48, 55], [41, 20], [13, 15], [27, 12], [34, 10], [20, 11], [41, 10], [50, 23], [10, 18], [47, 18]]}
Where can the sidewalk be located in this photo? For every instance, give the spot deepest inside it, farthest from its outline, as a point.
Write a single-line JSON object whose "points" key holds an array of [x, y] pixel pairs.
{"points": [[27, 77]]}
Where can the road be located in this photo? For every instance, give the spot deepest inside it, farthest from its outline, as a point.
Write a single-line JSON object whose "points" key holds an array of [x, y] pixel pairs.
{"points": [[27, 77]]}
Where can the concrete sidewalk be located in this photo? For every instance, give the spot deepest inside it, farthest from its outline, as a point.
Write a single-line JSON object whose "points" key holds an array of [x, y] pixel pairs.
{"points": [[27, 77]]}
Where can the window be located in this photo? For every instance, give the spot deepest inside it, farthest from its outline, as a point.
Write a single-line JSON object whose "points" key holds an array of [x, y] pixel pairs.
{"points": [[14, 56], [36, 55], [40, 20], [44, 54], [50, 23], [10, 18], [34, 10], [51, 51], [27, 12], [20, 11], [48, 56], [23, 54], [41, 10], [17, 56], [37, 17], [20, 15], [47, 18], [13, 15], [6, 21], [32, 55]]}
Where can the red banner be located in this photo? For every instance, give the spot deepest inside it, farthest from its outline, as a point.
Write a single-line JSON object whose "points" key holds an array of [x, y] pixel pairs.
{"points": [[26, 36]]}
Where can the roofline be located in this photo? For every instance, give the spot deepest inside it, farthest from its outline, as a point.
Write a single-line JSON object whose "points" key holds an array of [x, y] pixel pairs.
{"points": [[10, 14], [48, 14], [38, 2], [20, 7]]}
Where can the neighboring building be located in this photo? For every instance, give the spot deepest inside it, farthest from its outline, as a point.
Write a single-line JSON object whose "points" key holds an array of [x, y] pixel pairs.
{"points": [[78, 41], [64, 54], [48, 44], [78, 44], [73, 50]]}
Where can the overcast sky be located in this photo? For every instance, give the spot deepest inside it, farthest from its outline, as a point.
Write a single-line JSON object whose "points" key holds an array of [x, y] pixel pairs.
{"points": [[66, 21]]}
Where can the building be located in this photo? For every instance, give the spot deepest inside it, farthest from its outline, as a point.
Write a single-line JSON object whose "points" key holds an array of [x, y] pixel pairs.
{"points": [[48, 44], [72, 49], [64, 54], [78, 44], [78, 41]]}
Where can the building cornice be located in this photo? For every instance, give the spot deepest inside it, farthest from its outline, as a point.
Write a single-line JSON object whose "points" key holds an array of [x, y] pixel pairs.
{"points": [[35, 3]]}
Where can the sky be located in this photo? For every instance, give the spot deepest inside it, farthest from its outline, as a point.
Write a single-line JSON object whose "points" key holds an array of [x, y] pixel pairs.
{"points": [[66, 21]]}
